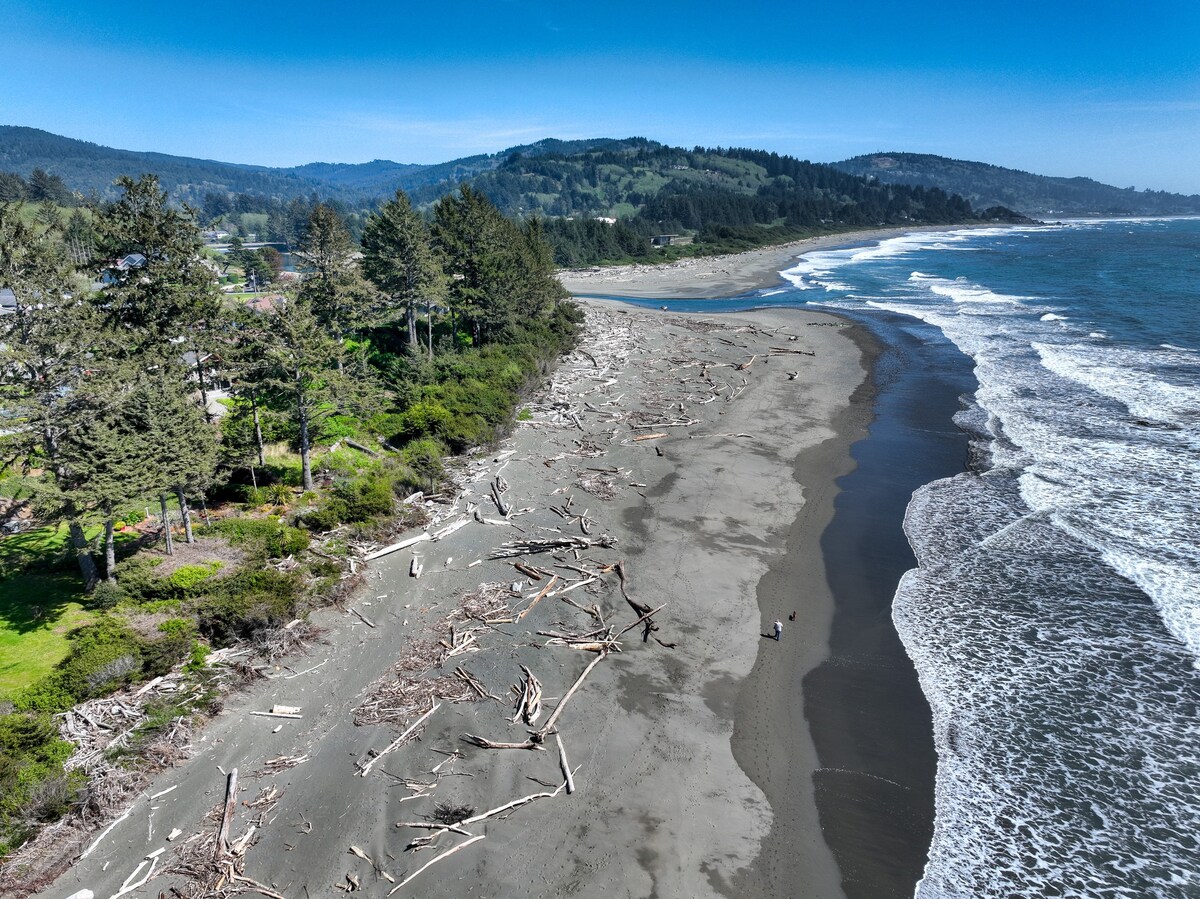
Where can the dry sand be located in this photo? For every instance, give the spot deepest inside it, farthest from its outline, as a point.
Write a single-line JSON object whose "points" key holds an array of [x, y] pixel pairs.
{"points": [[714, 276], [688, 766]]}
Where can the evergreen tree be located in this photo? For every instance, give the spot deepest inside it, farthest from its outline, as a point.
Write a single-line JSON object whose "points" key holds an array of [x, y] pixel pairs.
{"points": [[304, 364], [500, 274], [332, 287], [47, 349], [158, 285], [399, 259]]}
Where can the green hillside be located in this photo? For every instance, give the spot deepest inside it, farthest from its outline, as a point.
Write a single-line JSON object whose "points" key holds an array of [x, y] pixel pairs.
{"points": [[600, 200], [1034, 195], [720, 199]]}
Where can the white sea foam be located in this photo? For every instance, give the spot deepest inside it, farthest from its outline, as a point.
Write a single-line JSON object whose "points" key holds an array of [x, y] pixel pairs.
{"points": [[1064, 701], [1128, 376]]}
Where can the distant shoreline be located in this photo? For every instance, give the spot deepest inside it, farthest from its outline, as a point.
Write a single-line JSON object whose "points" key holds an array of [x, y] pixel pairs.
{"points": [[704, 277]]}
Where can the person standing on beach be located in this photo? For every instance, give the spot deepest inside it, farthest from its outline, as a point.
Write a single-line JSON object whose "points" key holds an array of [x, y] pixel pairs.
{"points": [[778, 630]]}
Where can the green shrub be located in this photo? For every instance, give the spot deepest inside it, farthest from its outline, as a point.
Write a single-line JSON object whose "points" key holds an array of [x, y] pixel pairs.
{"points": [[249, 603], [279, 494], [139, 582], [185, 577], [33, 785], [103, 657], [425, 418], [338, 427], [328, 516], [366, 497], [106, 595], [265, 538], [254, 496], [198, 658], [386, 424], [425, 458]]}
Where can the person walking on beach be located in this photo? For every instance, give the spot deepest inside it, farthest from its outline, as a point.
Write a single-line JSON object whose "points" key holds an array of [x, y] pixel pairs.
{"points": [[778, 630]]}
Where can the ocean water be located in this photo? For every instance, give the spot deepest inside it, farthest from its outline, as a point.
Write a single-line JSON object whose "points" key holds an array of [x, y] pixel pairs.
{"points": [[1054, 616]]}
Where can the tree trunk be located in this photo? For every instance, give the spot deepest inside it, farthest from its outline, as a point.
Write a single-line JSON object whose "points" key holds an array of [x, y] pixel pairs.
{"points": [[166, 522], [258, 438], [203, 389], [253, 478], [204, 511], [413, 342], [185, 513], [305, 451], [429, 312], [87, 565], [110, 548]]}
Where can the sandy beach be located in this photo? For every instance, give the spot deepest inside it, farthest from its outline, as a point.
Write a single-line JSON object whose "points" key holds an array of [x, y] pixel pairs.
{"points": [[713, 276], [701, 453]]}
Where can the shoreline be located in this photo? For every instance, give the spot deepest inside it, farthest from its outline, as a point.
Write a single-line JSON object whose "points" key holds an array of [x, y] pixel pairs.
{"points": [[708, 277], [697, 767], [699, 514]]}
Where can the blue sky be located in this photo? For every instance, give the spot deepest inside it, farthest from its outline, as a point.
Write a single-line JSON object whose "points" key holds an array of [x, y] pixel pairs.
{"points": [[1110, 90]]}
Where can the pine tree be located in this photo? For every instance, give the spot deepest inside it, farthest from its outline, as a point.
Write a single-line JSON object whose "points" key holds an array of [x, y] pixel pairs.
{"points": [[501, 275], [159, 286], [46, 353], [332, 287], [399, 259], [303, 364]]}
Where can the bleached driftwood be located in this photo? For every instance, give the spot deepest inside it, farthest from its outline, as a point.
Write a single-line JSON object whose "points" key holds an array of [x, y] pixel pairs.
{"points": [[403, 544], [364, 770]]}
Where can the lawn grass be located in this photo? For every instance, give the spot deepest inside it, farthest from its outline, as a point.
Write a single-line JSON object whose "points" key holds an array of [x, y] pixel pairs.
{"points": [[37, 610]]}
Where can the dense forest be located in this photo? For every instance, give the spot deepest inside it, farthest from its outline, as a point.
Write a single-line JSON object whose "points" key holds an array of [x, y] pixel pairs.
{"points": [[255, 426], [1035, 195]]}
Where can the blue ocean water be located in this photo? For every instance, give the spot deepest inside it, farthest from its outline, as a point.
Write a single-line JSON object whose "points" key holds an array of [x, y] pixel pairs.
{"points": [[1054, 616]]}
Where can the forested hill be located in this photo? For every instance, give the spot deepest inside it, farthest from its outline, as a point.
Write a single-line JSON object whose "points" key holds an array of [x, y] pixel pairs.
{"points": [[601, 200], [723, 199], [1034, 195], [90, 169]]}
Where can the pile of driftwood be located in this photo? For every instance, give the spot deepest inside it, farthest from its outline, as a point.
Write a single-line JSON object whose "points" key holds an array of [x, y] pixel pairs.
{"points": [[399, 699], [213, 862]]}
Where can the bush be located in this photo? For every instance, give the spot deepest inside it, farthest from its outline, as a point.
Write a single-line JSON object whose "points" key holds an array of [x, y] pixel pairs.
{"points": [[337, 427], [250, 603], [33, 785], [425, 458], [266, 538], [366, 497], [186, 577], [331, 513], [104, 656], [138, 581], [106, 595], [425, 418]]}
